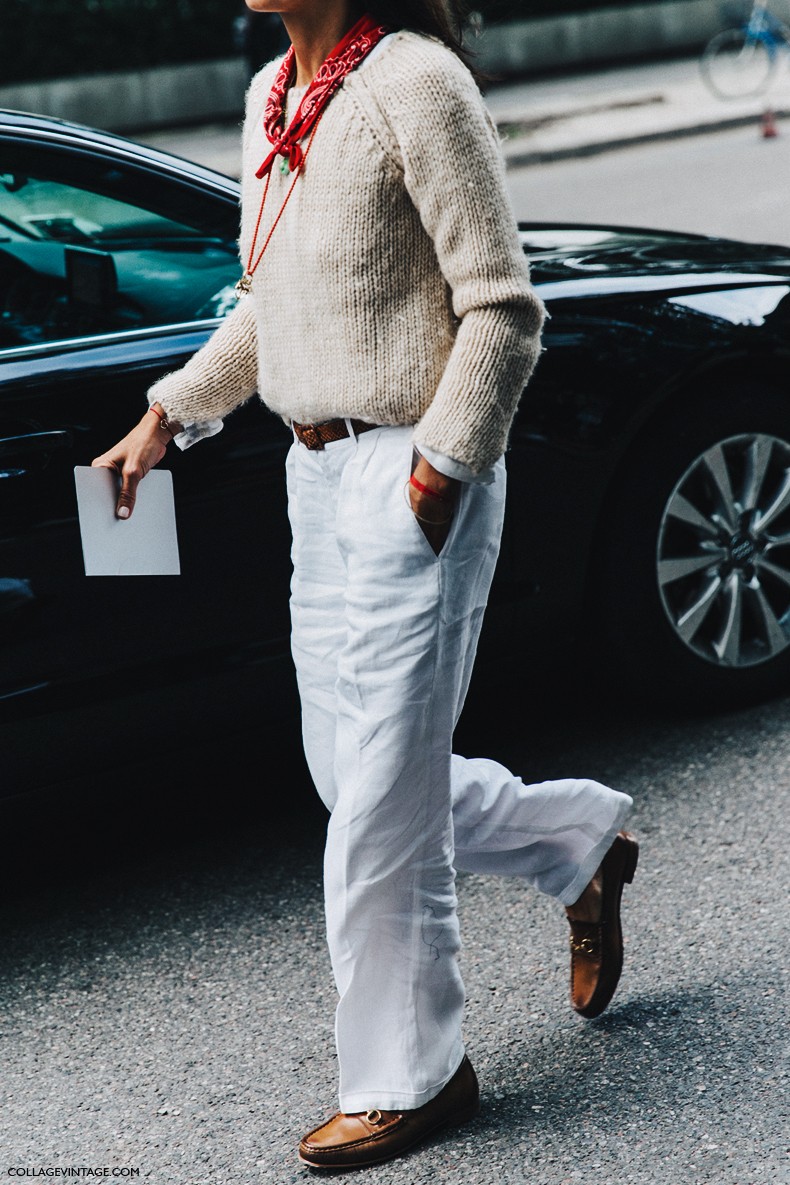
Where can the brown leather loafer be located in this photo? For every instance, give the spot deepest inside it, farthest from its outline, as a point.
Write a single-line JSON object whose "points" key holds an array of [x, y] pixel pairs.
{"points": [[597, 947], [369, 1137]]}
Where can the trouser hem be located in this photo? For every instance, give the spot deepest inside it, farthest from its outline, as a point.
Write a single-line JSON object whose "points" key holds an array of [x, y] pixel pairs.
{"points": [[589, 866], [384, 1100]]}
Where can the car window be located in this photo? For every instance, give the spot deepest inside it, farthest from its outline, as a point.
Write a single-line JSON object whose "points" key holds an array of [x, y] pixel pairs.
{"points": [[90, 246]]}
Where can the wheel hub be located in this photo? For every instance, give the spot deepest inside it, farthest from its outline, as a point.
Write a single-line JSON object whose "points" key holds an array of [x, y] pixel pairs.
{"points": [[743, 549], [724, 552]]}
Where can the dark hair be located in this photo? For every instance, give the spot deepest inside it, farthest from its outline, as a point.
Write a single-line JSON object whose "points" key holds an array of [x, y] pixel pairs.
{"points": [[439, 18]]}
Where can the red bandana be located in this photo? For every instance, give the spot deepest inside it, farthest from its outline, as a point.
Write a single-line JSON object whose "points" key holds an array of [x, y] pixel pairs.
{"points": [[346, 56]]}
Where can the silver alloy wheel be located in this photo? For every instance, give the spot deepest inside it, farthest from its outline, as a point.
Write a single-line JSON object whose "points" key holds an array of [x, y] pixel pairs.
{"points": [[724, 552]]}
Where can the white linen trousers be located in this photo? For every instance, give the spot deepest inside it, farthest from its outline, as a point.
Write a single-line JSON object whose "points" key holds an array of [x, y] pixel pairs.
{"points": [[384, 635]]}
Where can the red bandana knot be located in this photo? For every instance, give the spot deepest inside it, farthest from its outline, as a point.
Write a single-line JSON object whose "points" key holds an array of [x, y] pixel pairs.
{"points": [[344, 58]]}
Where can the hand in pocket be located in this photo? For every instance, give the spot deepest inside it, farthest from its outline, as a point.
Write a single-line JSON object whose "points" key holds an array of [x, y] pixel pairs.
{"points": [[432, 497]]}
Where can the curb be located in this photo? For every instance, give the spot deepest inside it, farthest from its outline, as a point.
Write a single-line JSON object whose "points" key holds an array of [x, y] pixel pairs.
{"points": [[520, 158]]}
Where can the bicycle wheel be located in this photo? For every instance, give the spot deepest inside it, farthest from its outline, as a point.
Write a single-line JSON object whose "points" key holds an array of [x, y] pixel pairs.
{"points": [[735, 65]]}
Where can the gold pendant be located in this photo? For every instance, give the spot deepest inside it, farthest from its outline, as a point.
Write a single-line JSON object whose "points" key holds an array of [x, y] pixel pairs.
{"points": [[243, 286]]}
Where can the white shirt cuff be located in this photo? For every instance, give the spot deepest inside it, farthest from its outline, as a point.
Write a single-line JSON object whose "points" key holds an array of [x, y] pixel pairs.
{"points": [[192, 433], [456, 469]]}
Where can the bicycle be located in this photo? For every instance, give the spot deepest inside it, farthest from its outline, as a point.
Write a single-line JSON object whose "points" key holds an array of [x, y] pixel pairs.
{"points": [[740, 62]]}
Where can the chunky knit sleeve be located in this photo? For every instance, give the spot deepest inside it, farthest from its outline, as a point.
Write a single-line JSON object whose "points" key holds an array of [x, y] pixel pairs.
{"points": [[224, 372], [453, 168], [220, 376]]}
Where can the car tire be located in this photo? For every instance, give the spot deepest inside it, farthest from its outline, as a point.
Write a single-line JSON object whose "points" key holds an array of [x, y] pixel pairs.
{"points": [[690, 595]]}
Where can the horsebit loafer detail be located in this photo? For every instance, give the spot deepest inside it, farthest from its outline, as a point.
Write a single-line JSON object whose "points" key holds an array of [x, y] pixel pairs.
{"points": [[369, 1137], [597, 947]]}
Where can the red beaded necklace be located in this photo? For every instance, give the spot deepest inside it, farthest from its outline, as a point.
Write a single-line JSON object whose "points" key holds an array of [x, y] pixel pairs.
{"points": [[244, 285], [345, 57]]}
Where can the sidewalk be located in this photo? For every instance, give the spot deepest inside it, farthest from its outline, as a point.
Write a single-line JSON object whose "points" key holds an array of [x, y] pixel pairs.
{"points": [[586, 114], [579, 114]]}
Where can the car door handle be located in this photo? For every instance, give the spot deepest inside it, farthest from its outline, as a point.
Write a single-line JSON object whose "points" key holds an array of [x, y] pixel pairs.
{"points": [[39, 444]]}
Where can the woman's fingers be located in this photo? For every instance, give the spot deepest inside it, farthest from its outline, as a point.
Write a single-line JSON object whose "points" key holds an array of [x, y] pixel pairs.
{"points": [[130, 480], [131, 460], [128, 495]]}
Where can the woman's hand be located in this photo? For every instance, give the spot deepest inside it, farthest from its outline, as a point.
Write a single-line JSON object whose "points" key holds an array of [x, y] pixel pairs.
{"points": [[139, 451], [434, 514]]}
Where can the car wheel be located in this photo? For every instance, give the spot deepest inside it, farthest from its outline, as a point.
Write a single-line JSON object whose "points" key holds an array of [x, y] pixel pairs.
{"points": [[693, 587]]}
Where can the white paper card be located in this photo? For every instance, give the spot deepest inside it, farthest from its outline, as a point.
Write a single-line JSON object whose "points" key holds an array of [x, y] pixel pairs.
{"points": [[146, 544]]}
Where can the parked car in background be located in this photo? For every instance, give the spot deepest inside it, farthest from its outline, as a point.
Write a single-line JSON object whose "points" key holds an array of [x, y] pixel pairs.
{"points": [[648, 523]]}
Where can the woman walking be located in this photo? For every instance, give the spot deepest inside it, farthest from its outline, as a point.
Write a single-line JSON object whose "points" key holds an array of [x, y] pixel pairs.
{"points": [[386, 315]]}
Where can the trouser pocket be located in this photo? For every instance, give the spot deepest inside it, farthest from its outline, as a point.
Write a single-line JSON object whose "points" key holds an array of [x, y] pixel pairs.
{"points": [[434, 518]]}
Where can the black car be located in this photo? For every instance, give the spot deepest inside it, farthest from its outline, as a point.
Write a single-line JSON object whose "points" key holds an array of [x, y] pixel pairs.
{"points": [[648, 527]]}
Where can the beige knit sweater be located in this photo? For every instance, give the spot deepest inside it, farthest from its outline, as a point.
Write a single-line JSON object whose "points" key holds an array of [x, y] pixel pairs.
{"points": [[394, 288]]}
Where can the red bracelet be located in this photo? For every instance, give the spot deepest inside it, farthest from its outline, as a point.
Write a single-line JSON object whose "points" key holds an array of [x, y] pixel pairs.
{"points": [[426, 489], [163, 421]]}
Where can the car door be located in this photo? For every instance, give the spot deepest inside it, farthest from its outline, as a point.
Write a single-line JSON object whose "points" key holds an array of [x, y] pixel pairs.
{"points": [[113, 271]]}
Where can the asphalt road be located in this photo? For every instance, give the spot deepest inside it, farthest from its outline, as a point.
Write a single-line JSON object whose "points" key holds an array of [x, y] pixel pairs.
{"points": [[734, 183], [166, 1001]]}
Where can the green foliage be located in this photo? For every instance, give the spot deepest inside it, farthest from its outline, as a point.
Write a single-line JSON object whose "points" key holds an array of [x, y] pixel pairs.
{"points": [[514, 10], [55, 38]]}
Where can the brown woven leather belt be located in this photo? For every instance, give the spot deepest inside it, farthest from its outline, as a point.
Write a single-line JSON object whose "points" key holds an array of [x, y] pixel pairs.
{"points": [[315, 436]]}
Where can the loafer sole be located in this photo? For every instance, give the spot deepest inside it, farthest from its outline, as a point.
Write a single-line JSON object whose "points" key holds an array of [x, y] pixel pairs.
{"points": [[456, 1103], [393, 1151]]}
